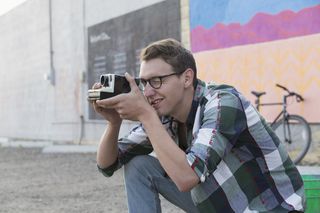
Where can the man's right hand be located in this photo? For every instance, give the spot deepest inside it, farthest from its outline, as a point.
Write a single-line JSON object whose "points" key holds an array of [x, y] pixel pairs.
{"points": [[110, 115]]}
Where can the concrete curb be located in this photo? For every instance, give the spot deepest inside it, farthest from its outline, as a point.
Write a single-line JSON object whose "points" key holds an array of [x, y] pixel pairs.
{"points": [[24, 144], [50, 147], [309, 170], [70, 149]]}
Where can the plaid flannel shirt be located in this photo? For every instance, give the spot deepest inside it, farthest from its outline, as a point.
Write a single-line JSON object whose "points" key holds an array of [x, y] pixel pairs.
{"points": [[241, 164]]}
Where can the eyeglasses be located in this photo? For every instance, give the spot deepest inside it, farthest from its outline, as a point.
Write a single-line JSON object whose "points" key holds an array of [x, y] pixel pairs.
{"points": [[156, 82]]}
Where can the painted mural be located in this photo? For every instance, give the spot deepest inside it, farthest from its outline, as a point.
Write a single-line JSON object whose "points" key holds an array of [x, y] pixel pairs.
{"points": [[225, 23], [254, 44]]}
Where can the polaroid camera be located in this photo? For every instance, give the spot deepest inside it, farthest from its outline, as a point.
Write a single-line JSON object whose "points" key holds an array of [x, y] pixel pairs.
{"points": [[112, 85]]}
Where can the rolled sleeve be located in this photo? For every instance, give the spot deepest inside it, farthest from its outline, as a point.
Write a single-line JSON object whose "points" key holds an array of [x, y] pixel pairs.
{"points": [[135, 143], [108, 172]]}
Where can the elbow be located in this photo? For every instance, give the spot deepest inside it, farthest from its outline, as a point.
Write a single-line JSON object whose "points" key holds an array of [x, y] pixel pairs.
{"points": [[185, 188], [186, 185]]}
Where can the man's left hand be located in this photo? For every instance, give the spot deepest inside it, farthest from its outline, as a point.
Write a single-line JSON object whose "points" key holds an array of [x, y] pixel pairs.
{"points": [[130, 106]]}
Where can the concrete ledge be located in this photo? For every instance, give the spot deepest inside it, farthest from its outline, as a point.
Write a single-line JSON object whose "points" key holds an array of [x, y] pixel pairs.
{"points": [[70, 149], [309, 170], [25, 144], [4, 140], [50, 147]]}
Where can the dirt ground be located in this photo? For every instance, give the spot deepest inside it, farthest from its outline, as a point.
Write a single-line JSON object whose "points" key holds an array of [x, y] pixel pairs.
{"points": [[32, 181]]}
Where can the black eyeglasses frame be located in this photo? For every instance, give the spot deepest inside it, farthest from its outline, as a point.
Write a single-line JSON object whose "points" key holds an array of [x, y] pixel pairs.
{"points": [[144, 81]]}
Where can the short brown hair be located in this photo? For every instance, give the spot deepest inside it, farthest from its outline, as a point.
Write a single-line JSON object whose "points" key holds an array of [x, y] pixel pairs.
{"points": [[173, 53]]}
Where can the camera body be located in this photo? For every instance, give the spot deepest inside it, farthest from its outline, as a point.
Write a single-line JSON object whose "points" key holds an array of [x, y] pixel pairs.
{"points": [[112, 85]]}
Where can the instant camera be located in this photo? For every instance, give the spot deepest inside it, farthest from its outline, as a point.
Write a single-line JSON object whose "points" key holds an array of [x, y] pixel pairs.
{"points": [[112, 85]]}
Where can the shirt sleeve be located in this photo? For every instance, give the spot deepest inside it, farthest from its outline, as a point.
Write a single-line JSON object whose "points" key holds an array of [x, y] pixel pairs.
{"points": [[135, 143], [221, 119]]}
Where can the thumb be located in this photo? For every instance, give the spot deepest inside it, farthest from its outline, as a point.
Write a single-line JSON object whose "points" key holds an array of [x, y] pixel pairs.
{"points": [[131, 80]]}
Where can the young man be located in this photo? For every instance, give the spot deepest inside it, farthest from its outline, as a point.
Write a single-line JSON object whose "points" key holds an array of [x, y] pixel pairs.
{"points": [[214, 152]]}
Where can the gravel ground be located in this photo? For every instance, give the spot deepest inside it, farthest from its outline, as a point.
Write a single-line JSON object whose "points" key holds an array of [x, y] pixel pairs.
{"points": [[32, 181]]}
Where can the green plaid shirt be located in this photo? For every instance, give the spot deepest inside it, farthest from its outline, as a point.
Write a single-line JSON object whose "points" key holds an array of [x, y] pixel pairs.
{"points": [[241, 164]]}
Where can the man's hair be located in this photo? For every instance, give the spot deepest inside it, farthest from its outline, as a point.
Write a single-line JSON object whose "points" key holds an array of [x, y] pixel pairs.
{"points": [[173, 53]]}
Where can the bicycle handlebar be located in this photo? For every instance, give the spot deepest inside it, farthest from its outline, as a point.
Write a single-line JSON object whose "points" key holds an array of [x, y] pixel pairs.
{"points": [[298, 97], [282, 87]]}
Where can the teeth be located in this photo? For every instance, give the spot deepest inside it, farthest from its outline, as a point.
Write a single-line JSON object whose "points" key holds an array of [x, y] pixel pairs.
{"points": [[156, 101]]}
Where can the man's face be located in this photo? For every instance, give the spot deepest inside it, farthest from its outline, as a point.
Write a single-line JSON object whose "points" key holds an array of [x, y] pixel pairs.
{"points": [[167, 99]]}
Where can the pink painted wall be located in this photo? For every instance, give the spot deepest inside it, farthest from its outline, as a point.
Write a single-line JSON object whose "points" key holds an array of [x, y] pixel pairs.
{"points": [[294, 63], [255, 44]]}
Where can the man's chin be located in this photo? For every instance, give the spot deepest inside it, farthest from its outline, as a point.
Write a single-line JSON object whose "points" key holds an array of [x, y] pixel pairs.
{"points": [[159, 112]]}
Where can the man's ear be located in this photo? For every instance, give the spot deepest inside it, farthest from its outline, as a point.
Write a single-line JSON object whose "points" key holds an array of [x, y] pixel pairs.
{"points": [[188, 77]]}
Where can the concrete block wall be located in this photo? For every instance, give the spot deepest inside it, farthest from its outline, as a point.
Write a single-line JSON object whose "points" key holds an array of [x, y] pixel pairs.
{"points": [[185, 23], [25, 96], [94, 14], [69, 59], [31, 107]]}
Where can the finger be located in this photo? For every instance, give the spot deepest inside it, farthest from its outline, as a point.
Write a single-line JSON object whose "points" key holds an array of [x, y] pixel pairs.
{"points": [[132, 82], [109, 103], [96, 107], [96, 85]]}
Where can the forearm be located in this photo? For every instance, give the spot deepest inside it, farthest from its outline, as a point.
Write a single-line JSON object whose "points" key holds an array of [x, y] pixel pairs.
{"points": [[107, 152], [171, 157]]}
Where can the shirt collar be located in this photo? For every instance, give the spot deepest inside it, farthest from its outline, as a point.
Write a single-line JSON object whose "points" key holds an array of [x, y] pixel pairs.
{"points": [[198, 94]]}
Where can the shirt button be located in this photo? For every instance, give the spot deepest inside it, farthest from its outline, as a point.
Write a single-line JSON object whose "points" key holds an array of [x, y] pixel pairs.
{"points": [[202, 178]]}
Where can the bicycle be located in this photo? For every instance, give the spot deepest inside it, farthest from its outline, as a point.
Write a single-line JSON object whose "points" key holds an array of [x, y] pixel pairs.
{"points": [[293, 130]]}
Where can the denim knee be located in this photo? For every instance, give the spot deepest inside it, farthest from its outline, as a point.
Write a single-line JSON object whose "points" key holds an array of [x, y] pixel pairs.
{"points": [[143, 165]]}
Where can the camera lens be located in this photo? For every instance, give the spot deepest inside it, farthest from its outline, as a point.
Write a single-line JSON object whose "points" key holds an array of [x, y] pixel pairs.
{"points": [[104, 80]]}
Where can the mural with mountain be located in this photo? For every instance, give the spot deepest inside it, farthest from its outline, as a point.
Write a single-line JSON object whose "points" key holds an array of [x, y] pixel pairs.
{"points": [[262, 26]]}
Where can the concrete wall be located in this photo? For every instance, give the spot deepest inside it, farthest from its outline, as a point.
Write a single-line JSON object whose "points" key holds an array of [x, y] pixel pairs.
{"points": [[98, 11], [26, 98], [95, 14], [31, 106]]}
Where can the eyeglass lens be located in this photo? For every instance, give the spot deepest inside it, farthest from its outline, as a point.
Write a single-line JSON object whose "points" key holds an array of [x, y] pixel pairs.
{"points": [[155, 82]]}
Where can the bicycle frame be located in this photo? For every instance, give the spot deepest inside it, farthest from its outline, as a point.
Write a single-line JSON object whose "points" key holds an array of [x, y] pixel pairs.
{"points": [[284, 114], [285, 124]]}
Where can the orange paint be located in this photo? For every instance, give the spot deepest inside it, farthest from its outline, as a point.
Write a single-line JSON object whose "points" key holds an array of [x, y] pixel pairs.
{"points": [[294, 63]]}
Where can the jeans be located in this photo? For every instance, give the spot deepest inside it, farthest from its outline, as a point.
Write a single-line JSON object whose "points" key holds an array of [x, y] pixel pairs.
{"points": [[145, 179]]}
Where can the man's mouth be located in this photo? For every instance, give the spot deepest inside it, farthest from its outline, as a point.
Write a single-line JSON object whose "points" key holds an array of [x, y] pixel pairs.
{"points": [[155, 103]]}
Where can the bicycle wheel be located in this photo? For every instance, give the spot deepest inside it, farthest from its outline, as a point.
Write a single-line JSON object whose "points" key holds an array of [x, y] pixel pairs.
{"points": [[295, 133]]}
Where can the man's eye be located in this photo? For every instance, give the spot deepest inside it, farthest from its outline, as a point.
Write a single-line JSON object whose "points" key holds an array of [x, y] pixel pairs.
{"points": [[143, 82], [155, 80]]}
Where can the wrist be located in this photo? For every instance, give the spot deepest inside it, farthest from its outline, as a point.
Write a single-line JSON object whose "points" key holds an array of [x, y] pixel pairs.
{"points": [[115, 125], [148, 115]]}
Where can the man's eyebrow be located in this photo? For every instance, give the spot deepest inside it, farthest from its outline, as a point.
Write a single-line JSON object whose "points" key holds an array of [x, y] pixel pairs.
{"points": [[143, 79], [149, 78]]}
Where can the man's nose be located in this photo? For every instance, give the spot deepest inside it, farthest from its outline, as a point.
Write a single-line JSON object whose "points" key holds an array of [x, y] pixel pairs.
{"points": [[148, 90]]}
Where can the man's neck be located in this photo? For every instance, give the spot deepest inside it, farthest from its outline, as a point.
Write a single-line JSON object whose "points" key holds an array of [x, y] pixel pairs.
{"points": [[185, 107]]}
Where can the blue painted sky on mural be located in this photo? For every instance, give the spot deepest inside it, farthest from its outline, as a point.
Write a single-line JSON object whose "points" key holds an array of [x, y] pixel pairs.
{"points": [[208, 13]]}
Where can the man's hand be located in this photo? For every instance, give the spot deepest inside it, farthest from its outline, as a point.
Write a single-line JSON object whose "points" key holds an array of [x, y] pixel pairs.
{"points": [[130, 106], [109, 114]]}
